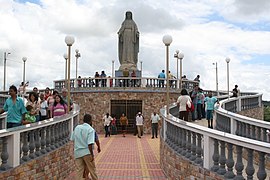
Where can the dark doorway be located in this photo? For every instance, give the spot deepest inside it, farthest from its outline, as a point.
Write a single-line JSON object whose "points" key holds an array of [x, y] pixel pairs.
{"points": [[130, 108]]}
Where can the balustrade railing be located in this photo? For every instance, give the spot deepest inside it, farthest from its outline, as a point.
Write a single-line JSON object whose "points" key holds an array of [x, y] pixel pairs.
{"points": [[23, 143], [125, 82], [217, 151]]}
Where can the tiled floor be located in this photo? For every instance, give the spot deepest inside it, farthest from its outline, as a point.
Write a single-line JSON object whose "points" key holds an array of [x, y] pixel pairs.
{"points": [[128, 158]]}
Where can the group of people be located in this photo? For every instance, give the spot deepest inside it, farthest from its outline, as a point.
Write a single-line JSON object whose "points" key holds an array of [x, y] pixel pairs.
{"points": [[39, 106], [197, 104]]}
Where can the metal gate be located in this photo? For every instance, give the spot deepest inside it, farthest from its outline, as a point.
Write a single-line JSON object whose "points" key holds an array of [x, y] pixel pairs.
{"points": [[130, 108]]}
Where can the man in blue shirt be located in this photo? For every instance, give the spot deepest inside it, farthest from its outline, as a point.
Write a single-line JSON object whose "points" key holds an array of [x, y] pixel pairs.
{"points": [[84, 139], [161, 76], [210, 103], [14, 106]]}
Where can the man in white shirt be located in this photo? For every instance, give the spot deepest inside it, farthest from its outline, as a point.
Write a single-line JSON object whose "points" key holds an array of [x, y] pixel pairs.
{"points": [[139, 124], [155, 119]]}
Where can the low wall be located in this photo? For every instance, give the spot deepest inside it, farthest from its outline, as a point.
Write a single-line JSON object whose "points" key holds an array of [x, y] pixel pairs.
{"points": [[256, 113], [57, 164], [177, 168]]}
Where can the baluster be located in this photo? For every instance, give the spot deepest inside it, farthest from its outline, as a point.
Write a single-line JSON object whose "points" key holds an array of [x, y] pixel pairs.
{"points": [[264, 134], [215, 156], [180, 141], [168, 134], [240, 129], [67, 131], [4, 154], [42, 141], [37, 143], [48, 139], [239, 166], [199, 150], [184, 142], [250, 168], [56, 135], [32, 145], [261, 174], [25, 147], [230, 162], [244, 129], [237, 132], [248, 135], [174, 137], [222, 159], [62, 133], [193, 147], [253, 131], [188, 154], [52, 137], [259, 134]]}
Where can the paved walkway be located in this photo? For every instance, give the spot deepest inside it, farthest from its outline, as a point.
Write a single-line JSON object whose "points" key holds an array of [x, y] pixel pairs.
{"points": [[128, 158]]}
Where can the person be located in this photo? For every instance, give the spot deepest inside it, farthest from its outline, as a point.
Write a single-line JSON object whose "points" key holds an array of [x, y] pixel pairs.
{"points": [[50, 101], [155, 119], [197, 78], [65, 98], [43, 107], [161, 77], [79, 80], [210, 103], [35, 103], [22, 88], [139, 124], [35, 90], [103, 79], [125, 75], [47, 93], [128, 43], [59, 107], [171, 77], [123, 123], [134, 80], [183, 101], [88, 117], [113, 125], [107, 122], [96, 79], [30, 115], [194, 99], [200, 97], [236, 91], [83, 137], [14, 106]]}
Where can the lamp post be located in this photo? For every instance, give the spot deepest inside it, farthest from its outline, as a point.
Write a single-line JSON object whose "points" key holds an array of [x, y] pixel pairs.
{"points": [[176, 56], [228, 83], [66, 58], [77, 55], [112, 68], [69, 41], [167, 40], [5, 66], [141, 68], [24, 60], [216, 78], [181, 56]]}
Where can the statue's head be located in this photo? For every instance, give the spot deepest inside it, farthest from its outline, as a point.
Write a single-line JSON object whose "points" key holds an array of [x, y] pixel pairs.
{"points": [[128, 15]]}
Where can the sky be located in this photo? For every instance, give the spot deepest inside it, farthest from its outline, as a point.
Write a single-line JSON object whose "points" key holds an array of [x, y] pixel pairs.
{"points": [[206, 31]]}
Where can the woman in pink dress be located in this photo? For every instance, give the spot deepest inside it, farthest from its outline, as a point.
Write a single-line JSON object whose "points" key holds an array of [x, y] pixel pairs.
{"points": [[59, 107]]}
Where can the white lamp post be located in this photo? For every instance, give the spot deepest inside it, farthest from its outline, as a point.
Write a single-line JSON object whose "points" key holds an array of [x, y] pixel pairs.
{"points": [[216, 78], [24, 60], [69, 41], [228, 77], [77, 55], [66, 58], [181, 56], [167, 40], [141, 67], [176, 56], [5, 66], [112, 68]]}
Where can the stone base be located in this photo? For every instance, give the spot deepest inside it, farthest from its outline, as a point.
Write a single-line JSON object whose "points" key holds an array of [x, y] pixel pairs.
{"points": [[129, 67]]}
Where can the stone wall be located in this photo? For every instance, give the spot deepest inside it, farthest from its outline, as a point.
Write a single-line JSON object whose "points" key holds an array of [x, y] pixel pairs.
{"points": [[257, 113], [177, 168], [98, 104], [57, 164]]}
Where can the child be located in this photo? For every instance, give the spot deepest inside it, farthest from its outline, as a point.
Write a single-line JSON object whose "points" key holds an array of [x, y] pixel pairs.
{"points": [[30, 115]]}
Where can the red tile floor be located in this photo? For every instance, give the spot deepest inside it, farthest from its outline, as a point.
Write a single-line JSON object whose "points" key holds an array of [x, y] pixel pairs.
{"points": [[128, 158]]}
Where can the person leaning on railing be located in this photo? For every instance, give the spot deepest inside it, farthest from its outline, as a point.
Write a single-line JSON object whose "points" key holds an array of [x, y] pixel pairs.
{"points": [[14, 106]]}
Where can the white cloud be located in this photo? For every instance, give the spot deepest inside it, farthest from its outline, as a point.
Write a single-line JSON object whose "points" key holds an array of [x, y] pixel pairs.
{"points": [[205, 31]]}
